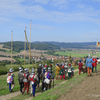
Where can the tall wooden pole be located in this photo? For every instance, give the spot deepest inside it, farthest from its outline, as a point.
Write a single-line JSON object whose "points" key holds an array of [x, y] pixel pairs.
{"points": [[30, 42], [29, 49], [35, 57], [96, 48], [11, 46], [24, 50]]}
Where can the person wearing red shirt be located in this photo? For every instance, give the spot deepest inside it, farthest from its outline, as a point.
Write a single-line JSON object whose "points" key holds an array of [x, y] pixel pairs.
{"points": [[94, 64], [80, 67]]}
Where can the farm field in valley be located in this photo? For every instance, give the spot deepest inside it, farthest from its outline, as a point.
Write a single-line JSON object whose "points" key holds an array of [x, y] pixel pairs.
{"points": [[78, 53], [6, 58]]}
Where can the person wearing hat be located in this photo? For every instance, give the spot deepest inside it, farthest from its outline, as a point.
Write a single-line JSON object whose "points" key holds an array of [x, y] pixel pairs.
{"points": [[45, 66], [57, 71], [69, 71], [65, 69], [80, 66], [94, 65], [33, 81], [88, 64], [20, 78], [47, 80], [26, 81], [39, 71], [61, 73], [10, 79]]}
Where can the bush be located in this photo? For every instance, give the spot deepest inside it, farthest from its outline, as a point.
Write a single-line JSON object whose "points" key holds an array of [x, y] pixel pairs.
{"points": [[16, 68], [3, 70]]}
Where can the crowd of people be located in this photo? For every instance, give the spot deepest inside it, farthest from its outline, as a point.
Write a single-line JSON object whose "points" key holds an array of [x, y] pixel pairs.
{"points": [[62, 70], [45, 75], [91, 63], [31, 79]]}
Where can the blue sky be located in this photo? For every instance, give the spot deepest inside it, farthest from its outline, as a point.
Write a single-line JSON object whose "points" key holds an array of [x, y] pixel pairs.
{"points": [[51, 20]]}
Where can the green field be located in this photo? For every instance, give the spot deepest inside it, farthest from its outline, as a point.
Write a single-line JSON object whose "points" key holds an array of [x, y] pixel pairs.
{"points": [[20, 59], [12, 52], [77, 53]]}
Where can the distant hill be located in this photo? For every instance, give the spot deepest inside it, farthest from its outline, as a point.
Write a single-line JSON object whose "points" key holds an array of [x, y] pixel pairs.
{"points": [[77, 45], [19, 45], [83, 45]]}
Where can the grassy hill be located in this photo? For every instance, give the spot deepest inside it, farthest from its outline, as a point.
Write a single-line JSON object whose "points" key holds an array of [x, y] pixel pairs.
{"points": [[19, 45], [77, 45]]}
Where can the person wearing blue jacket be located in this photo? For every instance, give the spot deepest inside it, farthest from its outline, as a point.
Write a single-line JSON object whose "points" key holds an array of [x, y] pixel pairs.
{"points": [[88, 64]]}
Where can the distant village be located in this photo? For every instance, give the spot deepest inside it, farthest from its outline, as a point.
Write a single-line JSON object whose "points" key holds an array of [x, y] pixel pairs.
{"points": [[74, 60]]}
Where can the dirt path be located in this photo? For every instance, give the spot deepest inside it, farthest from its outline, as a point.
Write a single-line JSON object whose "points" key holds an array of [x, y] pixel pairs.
{"points": [[89, 89]]}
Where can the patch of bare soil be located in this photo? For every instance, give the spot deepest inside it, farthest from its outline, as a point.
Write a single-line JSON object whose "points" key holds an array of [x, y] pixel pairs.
{"points": [[5, 58], [36, 53], [5, 53], [8, 96], [89, 89], [1, 47]]}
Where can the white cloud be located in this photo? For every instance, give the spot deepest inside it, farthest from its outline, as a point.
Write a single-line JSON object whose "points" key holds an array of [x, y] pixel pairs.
{"points": [[42, 1], [17, 8], [59, 2], [96, 0]]}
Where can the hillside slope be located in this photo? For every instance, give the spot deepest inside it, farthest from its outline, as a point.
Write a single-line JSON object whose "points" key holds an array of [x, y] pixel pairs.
{"points": [[19, 45]]}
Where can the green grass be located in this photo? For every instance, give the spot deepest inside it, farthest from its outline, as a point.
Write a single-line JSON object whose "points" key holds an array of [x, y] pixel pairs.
{"points": [[12, 52], [4, 89], [47, 95], [71, 53], [75, 67], [5, 69], [3, 83], [20, 59], [76, 53], [27, 96]]}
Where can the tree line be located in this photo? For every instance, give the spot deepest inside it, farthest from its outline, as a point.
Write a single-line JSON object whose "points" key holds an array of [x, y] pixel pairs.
{"points": [[17, 46]]}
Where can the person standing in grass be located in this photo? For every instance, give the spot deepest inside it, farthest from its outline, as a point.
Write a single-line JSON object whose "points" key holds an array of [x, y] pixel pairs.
{"points": [[10, 79], [39, 71], [94, 65], [33, 82], [61, 73], [88, 64], [80, 67], [26, 81], [57, 71], [69, 71], [20, 78], [65, 69]]}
